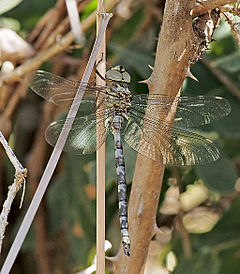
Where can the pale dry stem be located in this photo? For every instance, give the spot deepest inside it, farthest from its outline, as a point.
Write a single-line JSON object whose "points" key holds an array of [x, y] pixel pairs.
{"points": [[19, 181], [100, 157]]}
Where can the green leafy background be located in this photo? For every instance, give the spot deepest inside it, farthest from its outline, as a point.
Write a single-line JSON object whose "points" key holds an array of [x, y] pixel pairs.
{"points": [[70, 197]]}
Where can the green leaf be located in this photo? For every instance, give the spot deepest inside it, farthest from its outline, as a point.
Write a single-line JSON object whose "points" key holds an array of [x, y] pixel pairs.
{"points": [[125, 30], [29, 12], [134, 58], [219, 176], [223, 31], [229, 63], [72, 207], [88, 9], [207, 84], [6, 5], [231, 221], [224, 42], [230, 260], [202, 262], [232, 146]]}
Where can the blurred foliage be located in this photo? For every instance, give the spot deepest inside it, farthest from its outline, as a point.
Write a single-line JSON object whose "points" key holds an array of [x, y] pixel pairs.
{"points": [[29, 12], [91, 7], [6, 5], [71, 195], [216, 252], [71, 201], [215, 175]]}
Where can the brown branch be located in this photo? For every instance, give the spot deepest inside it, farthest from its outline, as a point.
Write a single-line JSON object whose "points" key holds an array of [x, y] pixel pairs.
{"points": [[176, 50], [62, 27], [7, 115], [187, 248], [47, 24], [201, 6], [45, 55], [235, 26]]}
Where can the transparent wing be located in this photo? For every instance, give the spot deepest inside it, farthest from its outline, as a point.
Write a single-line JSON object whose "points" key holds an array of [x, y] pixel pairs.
{"points": [[190, 111], [82, 138], [59, 90], [165, 144], [52, 87]]}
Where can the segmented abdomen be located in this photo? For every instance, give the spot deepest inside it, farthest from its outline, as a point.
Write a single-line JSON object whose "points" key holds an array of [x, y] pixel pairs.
{"points": [[122, 192]]}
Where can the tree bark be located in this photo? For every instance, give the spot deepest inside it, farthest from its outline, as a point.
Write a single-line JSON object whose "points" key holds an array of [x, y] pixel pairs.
{"points": [[178, 47], [201, 6]]}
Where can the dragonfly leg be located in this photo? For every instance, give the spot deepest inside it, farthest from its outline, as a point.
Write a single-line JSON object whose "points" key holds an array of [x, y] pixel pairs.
{"points": [[122, 193], [96, 70], [99, 74]]}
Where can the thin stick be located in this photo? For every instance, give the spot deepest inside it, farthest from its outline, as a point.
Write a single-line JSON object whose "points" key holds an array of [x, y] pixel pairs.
{"points": [[100, 218], [74, 20], [27, 221], [19, 180]]}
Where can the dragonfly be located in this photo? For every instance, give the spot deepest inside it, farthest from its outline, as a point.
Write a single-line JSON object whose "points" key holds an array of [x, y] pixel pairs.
{"points": [[141, 120]]}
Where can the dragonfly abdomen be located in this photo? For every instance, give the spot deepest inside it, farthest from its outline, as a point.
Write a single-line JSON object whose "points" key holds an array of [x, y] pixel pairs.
{"points": [[122, 186]]}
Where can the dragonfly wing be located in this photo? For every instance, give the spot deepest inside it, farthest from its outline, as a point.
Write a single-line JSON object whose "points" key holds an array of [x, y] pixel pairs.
{"points": [[165, 144], [189, 111], [82, 138], [52, 87], [59, 90]]}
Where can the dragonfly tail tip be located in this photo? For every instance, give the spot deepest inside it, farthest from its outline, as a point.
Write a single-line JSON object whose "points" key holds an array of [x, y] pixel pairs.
{"points": [[126, 249]]}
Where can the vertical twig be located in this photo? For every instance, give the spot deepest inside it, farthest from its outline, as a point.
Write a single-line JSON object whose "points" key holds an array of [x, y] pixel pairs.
{"points": [[31, 212], [185, 236], [19, 180], [100, 202]]}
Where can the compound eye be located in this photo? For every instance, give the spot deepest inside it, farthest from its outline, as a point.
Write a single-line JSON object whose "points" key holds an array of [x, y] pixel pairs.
{"points": [[114, 75], [126, 77]]}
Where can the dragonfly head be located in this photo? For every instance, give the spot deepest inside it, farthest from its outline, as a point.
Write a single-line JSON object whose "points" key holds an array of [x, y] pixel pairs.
{"points": [[118, 74]]}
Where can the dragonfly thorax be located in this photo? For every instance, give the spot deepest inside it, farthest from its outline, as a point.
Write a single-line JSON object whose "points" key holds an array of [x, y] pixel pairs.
{"points": [[119, 98]]}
